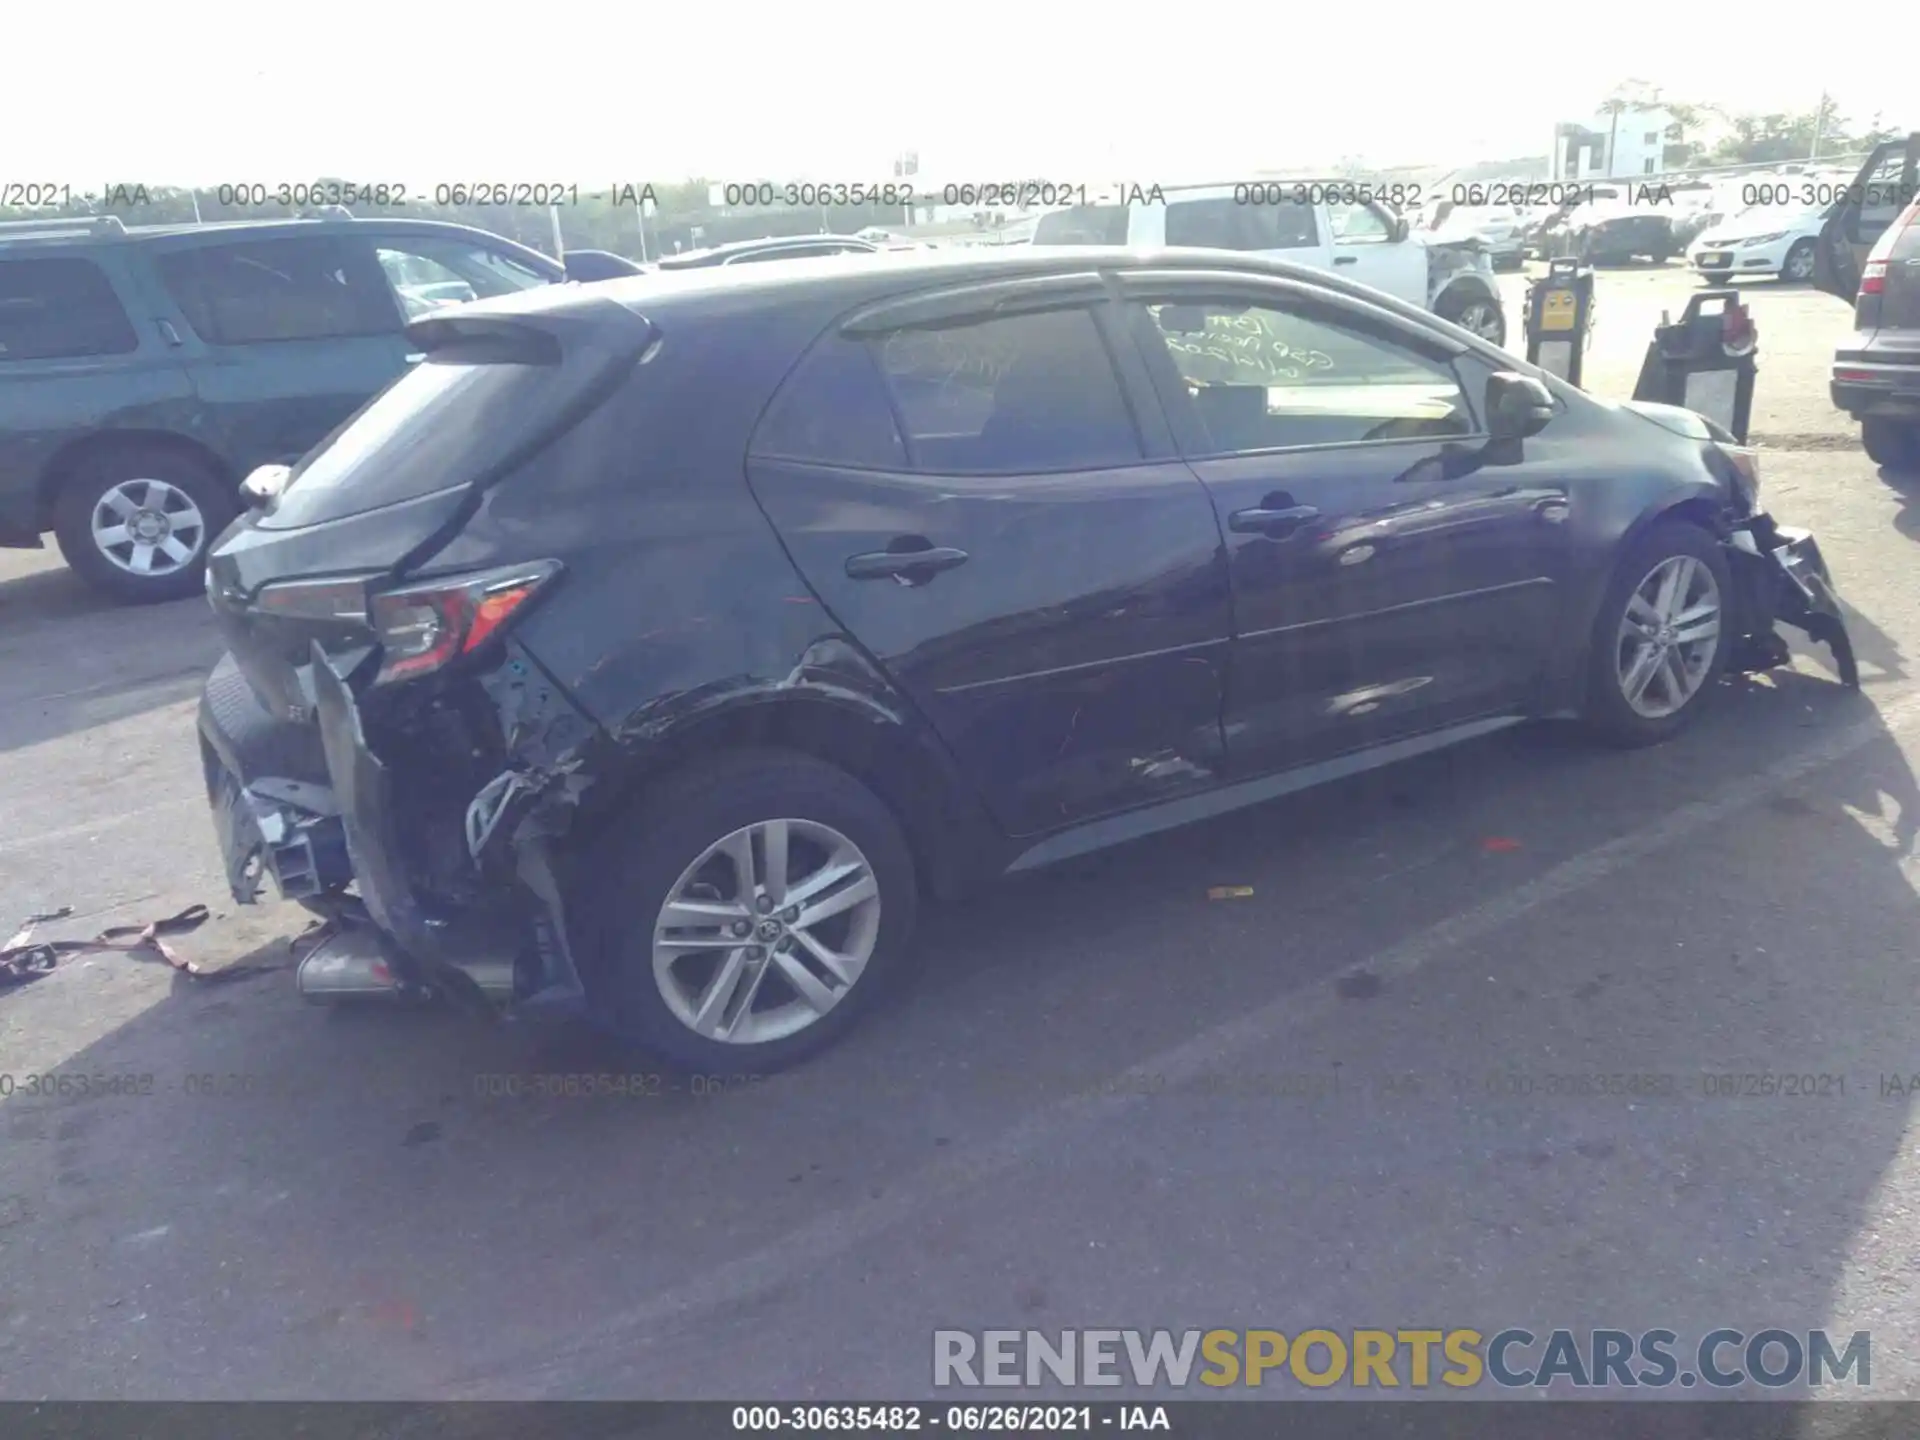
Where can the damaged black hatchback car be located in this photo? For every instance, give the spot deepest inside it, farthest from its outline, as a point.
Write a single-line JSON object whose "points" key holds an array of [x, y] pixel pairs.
{"points": [[652, 648]]}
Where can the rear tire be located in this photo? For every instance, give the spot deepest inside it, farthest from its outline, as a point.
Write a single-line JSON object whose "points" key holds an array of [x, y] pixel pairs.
{"points": [[647, 972], [1616, 712], [124, 508], [1891, 444], [1484, 317]]}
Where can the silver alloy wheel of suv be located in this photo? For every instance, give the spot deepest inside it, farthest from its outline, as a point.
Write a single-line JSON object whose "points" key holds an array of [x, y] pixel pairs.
{"points": [[147, 527]]}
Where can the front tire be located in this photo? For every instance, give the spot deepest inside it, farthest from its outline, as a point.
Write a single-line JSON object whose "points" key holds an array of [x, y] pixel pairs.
{"points": [[1661, 637], [136, 523], [1892, 444], [752, 911], [1797, 268]]}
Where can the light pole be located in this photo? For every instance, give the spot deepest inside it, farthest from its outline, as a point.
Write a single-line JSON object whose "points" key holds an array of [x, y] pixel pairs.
{"points": [[1819, 126]]}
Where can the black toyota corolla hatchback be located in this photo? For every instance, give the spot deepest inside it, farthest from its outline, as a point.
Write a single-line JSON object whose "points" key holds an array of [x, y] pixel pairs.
{"points": [[652, 648]]}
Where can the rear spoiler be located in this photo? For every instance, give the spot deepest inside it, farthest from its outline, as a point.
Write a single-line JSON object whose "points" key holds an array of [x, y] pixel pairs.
{"points": [[538, 327]]}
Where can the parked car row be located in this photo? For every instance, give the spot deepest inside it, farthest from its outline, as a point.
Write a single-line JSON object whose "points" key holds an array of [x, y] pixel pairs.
{"points": [[1304, 223], [144, 372]]}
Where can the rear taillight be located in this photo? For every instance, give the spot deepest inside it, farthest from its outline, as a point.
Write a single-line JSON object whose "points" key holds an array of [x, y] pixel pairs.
{"points": [[1873, 274], [425, 625]]}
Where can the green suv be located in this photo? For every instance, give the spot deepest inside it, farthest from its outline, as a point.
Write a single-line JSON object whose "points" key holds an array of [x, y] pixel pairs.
{"points": [[145, 372]]}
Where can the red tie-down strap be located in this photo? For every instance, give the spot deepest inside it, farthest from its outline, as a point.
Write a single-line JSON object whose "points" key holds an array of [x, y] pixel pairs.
{"points": [[23, 958]]}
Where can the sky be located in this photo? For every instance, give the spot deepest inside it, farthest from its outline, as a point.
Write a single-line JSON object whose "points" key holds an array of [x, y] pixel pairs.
{"points": [[208, 92]]}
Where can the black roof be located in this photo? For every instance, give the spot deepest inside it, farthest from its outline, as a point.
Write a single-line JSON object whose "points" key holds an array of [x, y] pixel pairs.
{"points": [[833, 285], [720, 254]]}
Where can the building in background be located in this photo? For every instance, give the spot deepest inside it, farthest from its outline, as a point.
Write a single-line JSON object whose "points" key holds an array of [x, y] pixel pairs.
{"points": [[1623, 145]]}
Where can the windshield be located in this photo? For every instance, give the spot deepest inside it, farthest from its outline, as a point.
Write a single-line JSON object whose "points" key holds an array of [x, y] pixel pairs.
{"points": [[1083, 225]]}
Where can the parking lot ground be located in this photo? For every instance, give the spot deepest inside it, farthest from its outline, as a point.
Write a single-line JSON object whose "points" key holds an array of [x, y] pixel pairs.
{"points": [[1348, 1098]]}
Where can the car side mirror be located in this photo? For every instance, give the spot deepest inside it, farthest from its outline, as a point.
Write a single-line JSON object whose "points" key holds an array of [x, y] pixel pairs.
{"points": [[263, 486], [1517, 406]]}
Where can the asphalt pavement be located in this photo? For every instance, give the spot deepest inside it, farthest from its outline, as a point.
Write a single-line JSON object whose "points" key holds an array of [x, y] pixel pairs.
{"points": [[1107, 1100]]}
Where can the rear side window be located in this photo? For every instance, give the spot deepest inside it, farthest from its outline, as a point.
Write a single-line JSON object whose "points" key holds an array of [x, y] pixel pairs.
{"points": [[58, 309], [1021, 393], [1083, 225], [834, 410], [1224, 223], [265, 290]]}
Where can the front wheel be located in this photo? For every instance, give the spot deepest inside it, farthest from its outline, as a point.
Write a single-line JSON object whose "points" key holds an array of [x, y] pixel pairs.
{"points": [[1661, 636], [1797, 268], [1892, 444], [750, 914], [1472, 310]]}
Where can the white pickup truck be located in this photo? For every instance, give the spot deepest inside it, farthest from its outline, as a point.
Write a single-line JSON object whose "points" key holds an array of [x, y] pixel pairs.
{"points": [[1323, 224]]}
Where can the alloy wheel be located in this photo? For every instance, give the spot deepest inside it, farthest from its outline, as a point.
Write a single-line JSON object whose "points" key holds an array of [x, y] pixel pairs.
{"points": [[1668, 637], [148, 527], [1799, 264], [766, 932], [1483, 319]]}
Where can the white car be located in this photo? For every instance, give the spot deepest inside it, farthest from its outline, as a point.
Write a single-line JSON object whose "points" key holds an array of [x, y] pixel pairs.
{"points": [[1322, 224], [1499, 227], [1761, 240]]}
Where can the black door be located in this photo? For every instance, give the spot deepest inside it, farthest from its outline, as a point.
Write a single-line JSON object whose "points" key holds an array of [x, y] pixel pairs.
{"points": [[1885, 186], [973, 497], [1385, 581]]}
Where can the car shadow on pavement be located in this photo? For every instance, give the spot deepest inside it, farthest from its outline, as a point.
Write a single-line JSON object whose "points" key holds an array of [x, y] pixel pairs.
{"points": [[297, 1203], [71, 659], [1906, 485]]}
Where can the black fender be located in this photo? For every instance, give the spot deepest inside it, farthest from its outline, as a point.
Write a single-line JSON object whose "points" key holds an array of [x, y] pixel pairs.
{"points": [[1564, 685], [834, 703]]}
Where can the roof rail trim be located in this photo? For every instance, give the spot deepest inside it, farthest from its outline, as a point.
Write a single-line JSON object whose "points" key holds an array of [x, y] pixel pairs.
{"points": [[52, 228]]}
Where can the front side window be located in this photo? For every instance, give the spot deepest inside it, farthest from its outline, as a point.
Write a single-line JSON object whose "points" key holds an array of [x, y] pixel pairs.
{"points": [[1265, 378], [59, 309], [1021, 393], [1358, 224], [1083, 225], [307, 288]]}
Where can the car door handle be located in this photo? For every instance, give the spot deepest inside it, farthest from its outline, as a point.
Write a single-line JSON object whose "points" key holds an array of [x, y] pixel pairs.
{"points": [[1346, 259], [909, 567], [1271, 522]]}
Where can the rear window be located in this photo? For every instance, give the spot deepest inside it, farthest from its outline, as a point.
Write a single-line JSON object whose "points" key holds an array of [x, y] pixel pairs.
{"points": [[1223, 223], [1083, 225], [441, 424], [57, 309]]}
